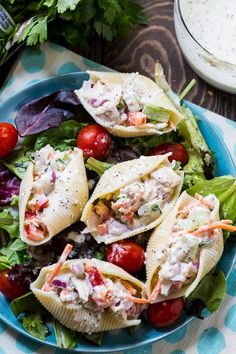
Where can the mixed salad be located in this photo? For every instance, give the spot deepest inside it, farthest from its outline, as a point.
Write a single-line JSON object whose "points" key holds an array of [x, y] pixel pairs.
{"points": [[74, 268]]}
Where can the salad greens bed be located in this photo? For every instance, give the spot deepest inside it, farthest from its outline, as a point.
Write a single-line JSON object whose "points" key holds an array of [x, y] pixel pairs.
{"points": [[56, 119]]}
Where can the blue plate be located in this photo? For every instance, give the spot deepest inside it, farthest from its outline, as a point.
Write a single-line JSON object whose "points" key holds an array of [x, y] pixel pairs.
{"points": [[119, 340]]}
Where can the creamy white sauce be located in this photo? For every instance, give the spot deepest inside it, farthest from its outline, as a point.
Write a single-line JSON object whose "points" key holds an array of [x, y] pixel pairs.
{"points": [[213, 24], [206, 32]]}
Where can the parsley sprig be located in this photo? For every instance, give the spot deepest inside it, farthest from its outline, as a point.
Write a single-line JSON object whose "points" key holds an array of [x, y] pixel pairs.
{"points": [[69, 22]]}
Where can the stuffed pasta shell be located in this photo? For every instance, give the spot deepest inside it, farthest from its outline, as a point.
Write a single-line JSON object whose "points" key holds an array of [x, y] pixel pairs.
{"points": [[89, 295], [53, 193], [187, 245], [128, 105], [132, 197]]}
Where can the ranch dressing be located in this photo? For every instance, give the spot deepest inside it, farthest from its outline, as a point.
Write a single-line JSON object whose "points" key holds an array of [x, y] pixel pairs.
{"points": [[213, 25], [206, 31]]}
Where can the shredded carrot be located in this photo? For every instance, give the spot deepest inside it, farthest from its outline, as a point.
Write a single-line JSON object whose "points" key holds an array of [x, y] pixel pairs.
{"points": [[155, 291], [57, 267], [185, 211], [223, 224], [138, 300], [203, 201], [129, 287], [199, 199], [172, 125]]}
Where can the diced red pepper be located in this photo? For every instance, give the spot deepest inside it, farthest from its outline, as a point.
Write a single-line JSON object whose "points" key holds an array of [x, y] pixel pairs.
{"points": [[43, 205], [137, 118], [40, 204], [34, 233], [30, 215], [94, 276]]}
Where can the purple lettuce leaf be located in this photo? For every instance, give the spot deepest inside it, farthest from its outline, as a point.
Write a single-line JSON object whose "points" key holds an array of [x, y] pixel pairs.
{"points": [[9, 186], [46, 112]]}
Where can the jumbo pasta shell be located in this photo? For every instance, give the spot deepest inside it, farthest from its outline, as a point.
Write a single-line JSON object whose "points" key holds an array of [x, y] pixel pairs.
{"points": [[147, 92], [77, 317], [209, 255], [70, 188], [119, 176]]}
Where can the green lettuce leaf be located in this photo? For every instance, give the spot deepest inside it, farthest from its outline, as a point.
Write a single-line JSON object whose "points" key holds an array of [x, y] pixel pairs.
{"points": [[193, 170], [201, 163], [94, 337], [4, 264], [15, 252], [97, 166], [211, 291], [99, 253], [156, 114], [65, 337], [192, 135], [9, 221], [142, 145], [18, 160], [34, 325], [60, 138], [24, 303]]}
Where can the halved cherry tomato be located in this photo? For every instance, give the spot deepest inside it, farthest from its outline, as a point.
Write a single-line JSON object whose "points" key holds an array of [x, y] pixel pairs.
{"points": [[179, 152], [8, 138], [94, 140], [9, 288], [165, 313], [127, 255]]}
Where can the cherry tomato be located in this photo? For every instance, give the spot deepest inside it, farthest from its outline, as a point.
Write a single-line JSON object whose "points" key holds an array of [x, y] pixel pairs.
{"points": [[95, 141], [165, 313], [8, 138], [179, 152], [9, 288], [127, 255]]}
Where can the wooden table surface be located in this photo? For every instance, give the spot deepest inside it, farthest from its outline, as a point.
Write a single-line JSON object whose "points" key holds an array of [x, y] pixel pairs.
{"points": [[157, 41]]}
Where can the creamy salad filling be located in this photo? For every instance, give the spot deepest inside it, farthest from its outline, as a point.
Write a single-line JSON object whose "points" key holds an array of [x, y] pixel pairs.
{"points": [[178, 263], [118, 105], [49, 164], [135, 205], [84, 285]]}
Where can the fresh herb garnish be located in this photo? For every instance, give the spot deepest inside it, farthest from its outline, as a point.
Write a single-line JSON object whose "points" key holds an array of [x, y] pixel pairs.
{"points": [[34, 325], [78, 21]]}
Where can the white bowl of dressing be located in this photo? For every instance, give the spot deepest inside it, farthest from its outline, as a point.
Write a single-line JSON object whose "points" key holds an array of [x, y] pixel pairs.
{"points": [[206, 32]]}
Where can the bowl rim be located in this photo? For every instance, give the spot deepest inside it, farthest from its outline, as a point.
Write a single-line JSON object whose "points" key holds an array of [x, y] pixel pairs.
{"points": [[179, 12], [125, 346]]}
